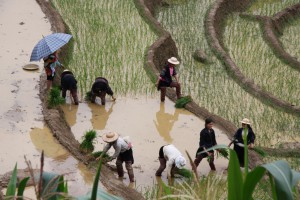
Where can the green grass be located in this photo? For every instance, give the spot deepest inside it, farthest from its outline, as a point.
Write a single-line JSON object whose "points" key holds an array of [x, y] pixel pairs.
{"points": [[291, 38], [256, 60], [110, 39], [269, 7], [211, 87]]}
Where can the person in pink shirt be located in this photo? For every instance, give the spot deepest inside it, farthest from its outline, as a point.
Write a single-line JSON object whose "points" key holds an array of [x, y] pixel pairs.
{"points": [[165, 79]]}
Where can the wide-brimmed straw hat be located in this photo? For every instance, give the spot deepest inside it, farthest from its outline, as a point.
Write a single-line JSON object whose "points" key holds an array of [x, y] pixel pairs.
{"points": [[246, 121], [110, 137], [173, 61], [180, 162], [66, 71]]}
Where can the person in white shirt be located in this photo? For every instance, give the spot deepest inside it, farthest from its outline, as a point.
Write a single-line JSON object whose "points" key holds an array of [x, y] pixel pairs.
{"points": [[123, 153], [170, 157]]}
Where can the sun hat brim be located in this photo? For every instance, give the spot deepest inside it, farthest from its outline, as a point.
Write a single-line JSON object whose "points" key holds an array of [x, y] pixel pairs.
{"points": [[244, 121], [174, 62], [105, 138]]}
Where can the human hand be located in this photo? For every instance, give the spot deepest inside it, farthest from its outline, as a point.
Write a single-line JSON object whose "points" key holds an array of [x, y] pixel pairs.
{"points": [[113, 98]]}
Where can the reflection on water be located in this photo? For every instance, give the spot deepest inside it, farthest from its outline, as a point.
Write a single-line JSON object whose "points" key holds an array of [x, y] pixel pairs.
{"points": [[43, 140], [165, 122], [100, 115]]}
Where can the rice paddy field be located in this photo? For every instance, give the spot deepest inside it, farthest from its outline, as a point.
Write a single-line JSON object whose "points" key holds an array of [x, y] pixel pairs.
{"points": [[211, 86], [291, 38], [110, 40]]}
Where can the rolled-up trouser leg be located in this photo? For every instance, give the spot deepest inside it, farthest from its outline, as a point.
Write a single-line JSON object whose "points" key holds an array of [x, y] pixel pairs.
{"points": [[211, 163], [128, 165], [120, 170], [178, 88], [102, 97], [162, 167], [163, 91], [74, 95], [63, 93]]}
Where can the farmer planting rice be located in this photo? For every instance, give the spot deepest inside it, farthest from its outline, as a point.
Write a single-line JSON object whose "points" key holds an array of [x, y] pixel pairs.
{"points": [[68, 82], [170, 157], [100, 88], [123, 153]]}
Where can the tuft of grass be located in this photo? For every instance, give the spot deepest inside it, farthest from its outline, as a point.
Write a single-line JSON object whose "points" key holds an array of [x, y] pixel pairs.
{"points": [[54, 98], [87, 144], [180, 103]]}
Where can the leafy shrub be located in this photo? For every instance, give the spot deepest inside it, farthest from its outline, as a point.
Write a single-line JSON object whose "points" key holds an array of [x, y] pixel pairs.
{"points": [[54, 98]]}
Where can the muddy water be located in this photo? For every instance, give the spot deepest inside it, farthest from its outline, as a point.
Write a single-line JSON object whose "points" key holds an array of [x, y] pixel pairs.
{"points": [[150, 124], [22, 129]]}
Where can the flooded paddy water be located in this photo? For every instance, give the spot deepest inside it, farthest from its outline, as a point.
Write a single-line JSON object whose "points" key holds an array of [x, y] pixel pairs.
{"points": [[150, 125]]}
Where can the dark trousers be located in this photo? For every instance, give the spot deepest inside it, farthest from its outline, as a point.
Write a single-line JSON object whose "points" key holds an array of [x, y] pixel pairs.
{"points": [[240, 154], [199, 157], [163, 163], [101, 95], [126, 157], [73, 93], [163, 91]]}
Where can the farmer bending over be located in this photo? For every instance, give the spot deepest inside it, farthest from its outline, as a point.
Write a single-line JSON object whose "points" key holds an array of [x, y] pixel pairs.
{"points": [[171, 157], [100, 88], [165, 79], [123, 153], [68, 82]]}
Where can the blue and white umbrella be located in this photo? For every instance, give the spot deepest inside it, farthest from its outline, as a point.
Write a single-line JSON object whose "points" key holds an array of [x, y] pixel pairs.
{"points": [[49, 45]]}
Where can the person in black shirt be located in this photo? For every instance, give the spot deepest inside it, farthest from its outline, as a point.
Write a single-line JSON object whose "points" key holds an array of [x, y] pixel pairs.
{"points": [[100, 88], [207, 140], [238, 140], [165, 79], [68, 82]]}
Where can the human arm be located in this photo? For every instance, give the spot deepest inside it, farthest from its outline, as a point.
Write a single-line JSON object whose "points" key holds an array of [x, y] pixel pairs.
{"points": [[233, 138], [105, 149]]}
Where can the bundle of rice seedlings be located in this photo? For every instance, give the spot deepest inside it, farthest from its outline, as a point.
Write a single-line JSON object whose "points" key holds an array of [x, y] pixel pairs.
{"points": [[185, 172], [99, 153], [87, 144], [88, 96], [224, 153], [260, 151], [180, 103], [54, 98]]}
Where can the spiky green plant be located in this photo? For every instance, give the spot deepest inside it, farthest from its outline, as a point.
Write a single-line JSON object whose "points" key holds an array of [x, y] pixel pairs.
{"points": [[87, 144]]}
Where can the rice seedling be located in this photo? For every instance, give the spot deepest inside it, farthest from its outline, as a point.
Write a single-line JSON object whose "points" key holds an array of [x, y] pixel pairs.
{"points": [[110, 39], [54, 98], [180, 103], [87, 144]]}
